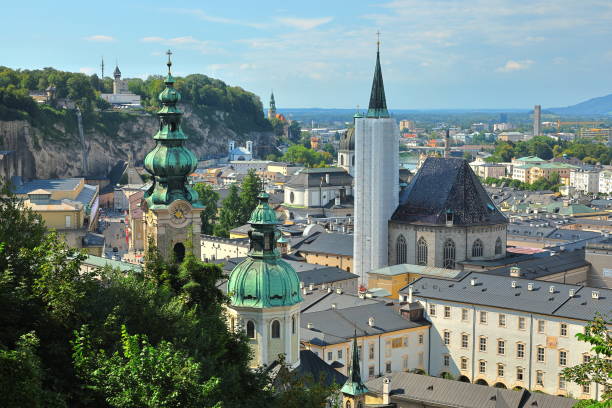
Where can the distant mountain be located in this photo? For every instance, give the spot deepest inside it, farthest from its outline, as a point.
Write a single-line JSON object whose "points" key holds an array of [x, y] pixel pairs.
{"points": [[594, 106]]}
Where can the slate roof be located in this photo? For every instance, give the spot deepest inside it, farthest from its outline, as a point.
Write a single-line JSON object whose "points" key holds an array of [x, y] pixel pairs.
{"points": [[98, 261], [330, 243], [312, 178], [539, 267], [410, 268], [87, 194], [67, 184], [320, 300], [446, 185], [334, 326], [313, 365], [326, 274], [496, 291], [450, 393]]}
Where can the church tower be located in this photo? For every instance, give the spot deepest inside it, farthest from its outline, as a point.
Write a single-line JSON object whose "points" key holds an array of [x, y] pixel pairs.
{"points": [[171, 206], [376, 179], [354, 390], [346, 151], [272, 109], [265, 294]]}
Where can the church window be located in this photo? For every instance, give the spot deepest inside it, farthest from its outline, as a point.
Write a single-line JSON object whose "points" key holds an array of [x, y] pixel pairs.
{"points": [[449, 254], [291, 197], [275, 329], [342, 160], [250, 329], [348, 404], [477, 248], [422, 251], [498, 246], [401, 250], [292, 324], [353, 160]]}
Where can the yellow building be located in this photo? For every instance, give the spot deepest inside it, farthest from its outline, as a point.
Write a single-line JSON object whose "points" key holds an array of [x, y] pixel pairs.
{"points": [[67, 205], [393, 278]]}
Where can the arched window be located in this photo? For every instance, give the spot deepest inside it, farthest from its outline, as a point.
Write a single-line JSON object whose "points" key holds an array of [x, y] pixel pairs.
{"points": [[250, 329], [291, 197], [348, 404], [421, 251], [276, 329], [401, 250], [477, 248], [292, 324], [449, 254], [498, 246], [342, 160], [353, 160]]}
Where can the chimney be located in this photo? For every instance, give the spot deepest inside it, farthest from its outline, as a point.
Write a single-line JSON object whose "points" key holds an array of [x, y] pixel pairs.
{"points": [[410, 294], [327, 180], [329, 290], [595, 294], [371, 321], [361, 295], [572, 292], [309, 325], [513, 284], [311, 286], [339, 291], [515, 272], [304, 291], [301, 285], [385, 390], [551, 289], [473, 281], [333, 306], [530, 286]]}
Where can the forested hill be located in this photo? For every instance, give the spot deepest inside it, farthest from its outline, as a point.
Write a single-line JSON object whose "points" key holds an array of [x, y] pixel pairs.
{"points": [[594, 106], [46, 139]]}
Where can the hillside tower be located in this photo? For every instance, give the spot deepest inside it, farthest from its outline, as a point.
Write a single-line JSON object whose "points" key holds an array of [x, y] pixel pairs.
{"points": [[272, 108], [265, 294], [376, 179], [171, 206]]}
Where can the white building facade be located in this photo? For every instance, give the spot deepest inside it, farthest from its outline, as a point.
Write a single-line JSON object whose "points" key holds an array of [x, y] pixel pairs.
{"points": [[376, 180], [585, 181]]}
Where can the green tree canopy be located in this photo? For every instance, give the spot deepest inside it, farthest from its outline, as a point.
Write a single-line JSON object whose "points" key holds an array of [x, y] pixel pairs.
{"points": [[209, 198]]}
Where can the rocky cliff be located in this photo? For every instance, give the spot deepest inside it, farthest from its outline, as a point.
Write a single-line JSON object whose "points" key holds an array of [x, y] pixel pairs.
{"points": [[59, 150]]}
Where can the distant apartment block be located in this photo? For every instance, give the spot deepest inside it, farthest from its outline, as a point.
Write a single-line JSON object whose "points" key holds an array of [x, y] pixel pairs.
{"points": [[605, 182], [585, 181]]}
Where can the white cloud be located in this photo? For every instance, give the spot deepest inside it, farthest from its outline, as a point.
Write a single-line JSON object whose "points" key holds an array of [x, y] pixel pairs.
{"points": [[100, 38], [187, 42], [304, 23], [202, 15], [87, 70], [512, 66]]}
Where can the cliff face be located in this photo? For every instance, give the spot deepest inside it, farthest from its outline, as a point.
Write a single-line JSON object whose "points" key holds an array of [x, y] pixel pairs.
{"points": [[43, 152]]}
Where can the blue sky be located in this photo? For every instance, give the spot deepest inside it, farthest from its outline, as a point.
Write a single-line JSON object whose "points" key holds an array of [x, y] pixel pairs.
{"points": [[435, 53]]}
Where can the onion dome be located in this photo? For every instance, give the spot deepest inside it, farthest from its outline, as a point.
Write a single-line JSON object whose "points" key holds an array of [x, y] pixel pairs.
{"points": [[263, 279], [347, 140], [170, 162]]}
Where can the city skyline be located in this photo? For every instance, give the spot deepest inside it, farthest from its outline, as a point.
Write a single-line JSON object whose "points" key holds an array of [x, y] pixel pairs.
{"points": [[438, 55]]}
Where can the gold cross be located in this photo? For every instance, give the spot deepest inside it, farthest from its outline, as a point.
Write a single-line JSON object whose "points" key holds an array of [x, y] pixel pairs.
{"points": [[378, 39], [169, 63]]}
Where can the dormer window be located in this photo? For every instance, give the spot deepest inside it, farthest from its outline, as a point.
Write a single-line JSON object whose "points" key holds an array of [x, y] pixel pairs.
{"points": [[449, 217]]}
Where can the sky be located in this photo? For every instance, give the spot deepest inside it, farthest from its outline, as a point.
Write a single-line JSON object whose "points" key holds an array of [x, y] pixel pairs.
{"points": [[435, 54]]}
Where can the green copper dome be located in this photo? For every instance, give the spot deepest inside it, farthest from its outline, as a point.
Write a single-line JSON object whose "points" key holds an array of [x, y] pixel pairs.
{"points": [[263, 279], [170, 162]]}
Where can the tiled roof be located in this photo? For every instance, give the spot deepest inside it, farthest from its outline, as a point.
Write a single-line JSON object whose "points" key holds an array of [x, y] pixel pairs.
{"points": [[442, 186], [410, 268], [67, 184], [317, 177], [339, 325], [330, 243]]}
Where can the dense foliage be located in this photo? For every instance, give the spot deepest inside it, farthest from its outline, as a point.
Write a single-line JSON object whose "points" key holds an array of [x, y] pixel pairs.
{"points": [[243, 110], [300, 154], [151, 339], [546, 148], [209, 198]]}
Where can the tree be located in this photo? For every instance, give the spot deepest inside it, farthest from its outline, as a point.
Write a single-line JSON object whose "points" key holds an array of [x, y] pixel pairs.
{"points": [[142, 375], [599, 367], [209, 198], [250, 189], [295, 131], [329, 148], [229, 217]]}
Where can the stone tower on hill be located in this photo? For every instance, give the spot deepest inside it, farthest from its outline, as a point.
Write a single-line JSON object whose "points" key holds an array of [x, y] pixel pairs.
{"points": [[376, 179], [172, 208], [272, 108]]}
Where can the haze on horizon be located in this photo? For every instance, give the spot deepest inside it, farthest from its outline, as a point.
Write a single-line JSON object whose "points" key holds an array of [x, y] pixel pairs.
{"points": [[437, 54]]}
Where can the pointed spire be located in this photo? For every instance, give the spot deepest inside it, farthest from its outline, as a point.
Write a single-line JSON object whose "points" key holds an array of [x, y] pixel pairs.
{"points": [[353, 385], [378, 102]]}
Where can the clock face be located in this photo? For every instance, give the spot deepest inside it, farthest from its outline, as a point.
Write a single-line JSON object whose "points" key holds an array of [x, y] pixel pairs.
{"points": [[178, 213]]}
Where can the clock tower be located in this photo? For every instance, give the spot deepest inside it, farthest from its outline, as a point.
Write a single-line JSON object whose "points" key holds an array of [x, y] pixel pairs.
{"points": [[171, 206]]}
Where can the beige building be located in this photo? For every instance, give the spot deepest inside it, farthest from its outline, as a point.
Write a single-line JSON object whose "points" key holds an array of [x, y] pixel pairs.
{"points": [[396, 277], [509, 332], [494, 170], [329, 249]]}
